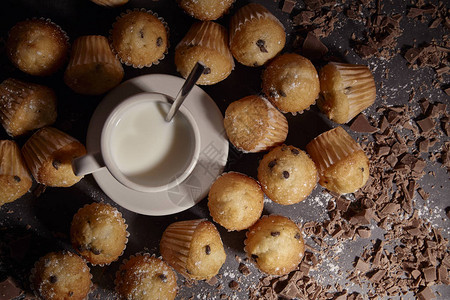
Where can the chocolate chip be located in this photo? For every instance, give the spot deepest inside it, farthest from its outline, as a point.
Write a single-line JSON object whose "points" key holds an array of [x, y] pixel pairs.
{"points": [[275, 233], [295, 151], [273, 94], [261, 44], [286, 174], [53, 279], [207, 71], [347, 90], [234, 285], [56, 164], [96, 251], [141, 32], [255, 257], [297, 235], [283, 94], [159, 41], [244, 269], [361, 124], [162, 277], [272, 163], [70, 293], [84, 248], [17, 178], [98, 67], [362, 169], [207, 250]]}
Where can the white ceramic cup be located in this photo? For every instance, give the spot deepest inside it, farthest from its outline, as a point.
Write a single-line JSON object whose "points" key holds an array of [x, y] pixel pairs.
{"points": [[143, 151]]}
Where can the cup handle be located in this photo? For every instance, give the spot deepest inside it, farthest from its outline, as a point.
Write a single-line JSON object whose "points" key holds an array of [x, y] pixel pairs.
{"points": [[87, 164]]}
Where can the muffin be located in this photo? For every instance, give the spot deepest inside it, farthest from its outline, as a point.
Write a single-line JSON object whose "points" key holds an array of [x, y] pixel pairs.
{"points": [[110, 3], [343, 166], [145, 277], [252, 124], [291, 83], [275, 244], [61, 275], [139, 38], [205, 10], [193, 248], [26, 106], [287, 175], [37, 47], [255, 35], [346, 90], [99, 233], [93, 69], [49, 153], [15, 180], [235, 201], [206, 42]]}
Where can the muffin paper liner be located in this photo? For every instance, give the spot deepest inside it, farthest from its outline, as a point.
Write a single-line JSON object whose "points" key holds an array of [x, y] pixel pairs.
{"points": [[12, 93], [277, 129], [177, 237], [363, 92], [92, 49], [209, 35], [110, 3], [41, 145], [331, 147], [11, 162]]}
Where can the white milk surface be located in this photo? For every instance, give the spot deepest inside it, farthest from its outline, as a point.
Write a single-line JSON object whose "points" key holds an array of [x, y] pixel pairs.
{"points": [[149, 150]]}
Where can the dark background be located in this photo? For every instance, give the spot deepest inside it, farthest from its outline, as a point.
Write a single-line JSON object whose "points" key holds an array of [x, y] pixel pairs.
{"points": [[32, 226]]}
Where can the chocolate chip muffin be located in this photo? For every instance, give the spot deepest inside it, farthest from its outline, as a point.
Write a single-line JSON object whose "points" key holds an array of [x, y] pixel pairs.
{"points": [[205, 42], [287, 175], [15, 179], [343, 166], [145, 277], [291, 83], [93, 69], [346, 90], [110, 3], [205, 10], [256, 35], [37, 46], [139, 38], [275, 244], [235, 201], [49, 153], [253, 124], [26, 106], [98, 233], [61, 275], [193, 248]]}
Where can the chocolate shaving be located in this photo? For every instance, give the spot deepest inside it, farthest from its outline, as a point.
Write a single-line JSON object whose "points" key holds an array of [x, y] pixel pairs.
{"points": [[361, 124], [426, 124], [313, 48], [9, 290], [288, 6]]}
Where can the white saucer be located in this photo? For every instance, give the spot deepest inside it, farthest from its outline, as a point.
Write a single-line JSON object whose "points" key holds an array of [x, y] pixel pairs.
{"points": [[213, 149]]}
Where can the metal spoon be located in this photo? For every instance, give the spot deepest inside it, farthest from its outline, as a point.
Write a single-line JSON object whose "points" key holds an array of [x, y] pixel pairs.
{"points": [[195, 74]]}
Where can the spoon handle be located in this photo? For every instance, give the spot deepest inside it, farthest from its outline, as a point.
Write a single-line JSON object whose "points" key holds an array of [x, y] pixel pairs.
{"points": [[195, 74]]}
